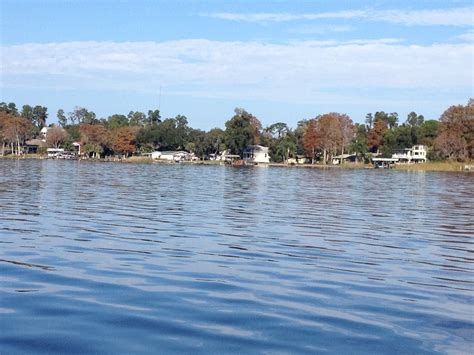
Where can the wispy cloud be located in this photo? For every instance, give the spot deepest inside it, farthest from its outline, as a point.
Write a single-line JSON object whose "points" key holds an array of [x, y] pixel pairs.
{"points": [[438, 17], [293, 72], [322, 29], [467, 36], [284, 17]]}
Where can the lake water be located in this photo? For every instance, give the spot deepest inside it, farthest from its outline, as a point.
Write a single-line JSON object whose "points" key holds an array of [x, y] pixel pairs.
{"points": [[129, 258]]}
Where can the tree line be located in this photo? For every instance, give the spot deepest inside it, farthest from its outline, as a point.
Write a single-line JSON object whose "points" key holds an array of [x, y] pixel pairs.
{"points": [[318, 139]]}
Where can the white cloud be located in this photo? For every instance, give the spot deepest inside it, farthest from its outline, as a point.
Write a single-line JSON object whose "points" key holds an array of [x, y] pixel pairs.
{"points": [[439, 17], [293, 72], [467, 36], [284, 17], [442, 17], [322, 29]]}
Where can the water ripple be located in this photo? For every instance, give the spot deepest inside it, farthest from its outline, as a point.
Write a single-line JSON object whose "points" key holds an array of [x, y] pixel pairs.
{"points": [[108, 258]]}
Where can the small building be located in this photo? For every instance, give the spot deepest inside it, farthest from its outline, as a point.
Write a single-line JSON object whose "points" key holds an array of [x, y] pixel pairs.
{"points": [[384, 163], [77, 147], [302, 159], [338, 159], [176, 156], [256, 154], [415, 154], [55, 152], [155, 155], [33, 145], [167, 155], [44, 133]]}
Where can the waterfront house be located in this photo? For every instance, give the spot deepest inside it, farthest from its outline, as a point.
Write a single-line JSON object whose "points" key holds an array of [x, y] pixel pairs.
{"points": [[44, 133], [302, 159], [55, 152], [167, 155], [32, 145], [77, 148], [174, 155], [256, 154], [415, 154], [155, 155], [338, 159]]}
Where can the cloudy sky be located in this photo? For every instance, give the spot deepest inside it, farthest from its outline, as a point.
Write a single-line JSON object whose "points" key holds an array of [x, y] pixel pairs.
{"points": [[280, 60]]}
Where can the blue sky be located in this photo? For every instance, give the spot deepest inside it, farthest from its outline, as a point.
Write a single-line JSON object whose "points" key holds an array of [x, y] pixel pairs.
{"points": [[281, 60]]}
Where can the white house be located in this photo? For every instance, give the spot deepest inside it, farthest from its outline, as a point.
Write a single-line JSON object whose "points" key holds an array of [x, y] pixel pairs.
{"points": [[155, 155], [44, 133], [415, 154], [173, 156], [54, 152], [256, 154]]}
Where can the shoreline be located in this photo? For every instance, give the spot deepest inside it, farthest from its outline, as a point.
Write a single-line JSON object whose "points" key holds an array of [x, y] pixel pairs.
{"points": [[429, 166]]}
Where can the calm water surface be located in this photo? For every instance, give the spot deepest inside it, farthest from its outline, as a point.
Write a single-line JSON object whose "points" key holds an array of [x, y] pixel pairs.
{"points": [[123, 258]]}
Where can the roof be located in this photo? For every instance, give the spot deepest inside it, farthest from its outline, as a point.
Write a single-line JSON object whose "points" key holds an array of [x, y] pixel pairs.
{"points": [[393, 160], [344, 156], [36, 142], [256, 147]]}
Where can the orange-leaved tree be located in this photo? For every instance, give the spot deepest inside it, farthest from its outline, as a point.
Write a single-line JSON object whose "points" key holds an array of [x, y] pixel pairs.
{"points": [[374, 139], [95, 139], [124, 141], [456, 133]]}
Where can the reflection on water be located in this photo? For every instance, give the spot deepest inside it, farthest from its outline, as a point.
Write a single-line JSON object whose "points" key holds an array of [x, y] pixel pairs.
{"points": [[98, 257]]}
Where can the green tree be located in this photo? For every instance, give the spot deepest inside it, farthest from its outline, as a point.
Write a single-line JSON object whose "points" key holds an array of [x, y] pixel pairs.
{"points": [[283, 148], [391, 119], [136, 118], [359, 143], [81, 115], [171, 134], [9, 108], [196, 142], [27, 112], [62, 120], [117, 121], [428, 132], [398, 138], [299, 134], [214, 141], [369, 121], [40, 114], [153, 117], [414, 120], [278, 129], [241, 131], [182, 130]]}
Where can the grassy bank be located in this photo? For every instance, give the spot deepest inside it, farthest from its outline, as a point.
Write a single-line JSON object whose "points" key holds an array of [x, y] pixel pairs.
{"points": [[23, 156], [430, 166], [435, 166]]}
